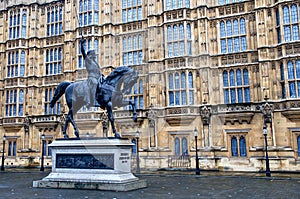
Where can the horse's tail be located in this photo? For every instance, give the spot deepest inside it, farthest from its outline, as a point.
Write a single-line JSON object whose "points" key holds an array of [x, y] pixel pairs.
{"points": [[59, 91]]}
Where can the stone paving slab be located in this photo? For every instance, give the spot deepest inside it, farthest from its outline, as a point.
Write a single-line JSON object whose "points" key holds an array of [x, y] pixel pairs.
{"points": [[18, 185]]}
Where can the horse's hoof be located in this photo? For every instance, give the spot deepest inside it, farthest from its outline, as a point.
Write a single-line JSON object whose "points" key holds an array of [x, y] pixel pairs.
{"points": [[77, 134], [117, 135], [134, 119], [66, 136]]}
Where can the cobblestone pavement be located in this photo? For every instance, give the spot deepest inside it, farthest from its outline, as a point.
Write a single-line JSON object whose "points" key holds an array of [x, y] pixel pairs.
{"points": [[17, 184]]}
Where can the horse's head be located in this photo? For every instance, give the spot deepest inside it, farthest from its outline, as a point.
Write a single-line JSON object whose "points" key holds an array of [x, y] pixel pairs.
{"points": [[121, 79], [129, 79]]}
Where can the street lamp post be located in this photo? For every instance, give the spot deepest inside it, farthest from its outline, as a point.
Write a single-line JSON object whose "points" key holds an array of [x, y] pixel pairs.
{"points": [[43, 154], [2, 163], [197, 159], [265, 133], [137, 135]]}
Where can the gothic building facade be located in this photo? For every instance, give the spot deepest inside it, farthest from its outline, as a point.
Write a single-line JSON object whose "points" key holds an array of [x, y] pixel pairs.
{"points": [[223, 67]]}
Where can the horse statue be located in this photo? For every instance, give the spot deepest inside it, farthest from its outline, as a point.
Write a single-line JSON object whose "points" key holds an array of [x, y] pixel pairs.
{"points": [[109, 94]]}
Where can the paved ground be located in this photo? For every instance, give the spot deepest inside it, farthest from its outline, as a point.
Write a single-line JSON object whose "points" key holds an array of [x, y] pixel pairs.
{"points": [[17, 184]]}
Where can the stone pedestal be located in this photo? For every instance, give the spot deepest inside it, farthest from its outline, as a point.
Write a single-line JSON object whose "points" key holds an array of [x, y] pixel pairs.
{"points": [[94, 163]]}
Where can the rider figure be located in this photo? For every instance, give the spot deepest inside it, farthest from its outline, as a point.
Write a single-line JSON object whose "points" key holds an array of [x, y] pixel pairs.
{"points": [[94, 74]]}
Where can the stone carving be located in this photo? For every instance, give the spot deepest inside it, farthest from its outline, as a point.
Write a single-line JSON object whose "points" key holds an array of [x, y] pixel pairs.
{"points": [[205, 115], [267, 111]]}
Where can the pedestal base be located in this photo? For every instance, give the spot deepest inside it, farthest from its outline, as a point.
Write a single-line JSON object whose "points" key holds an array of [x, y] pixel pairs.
{"points": [[96, 185], [101, 164]]}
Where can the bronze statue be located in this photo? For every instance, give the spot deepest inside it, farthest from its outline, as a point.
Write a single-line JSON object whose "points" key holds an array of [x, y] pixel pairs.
{"points": [[97, 91], [94, 74]]}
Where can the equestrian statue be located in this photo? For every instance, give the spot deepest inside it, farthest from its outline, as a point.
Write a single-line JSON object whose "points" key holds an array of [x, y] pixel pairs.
{"points": [[97, 91]]}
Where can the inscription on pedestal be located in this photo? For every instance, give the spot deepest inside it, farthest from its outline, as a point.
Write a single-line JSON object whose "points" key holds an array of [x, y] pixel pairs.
{"points": [[124, 157], [85, 161]]}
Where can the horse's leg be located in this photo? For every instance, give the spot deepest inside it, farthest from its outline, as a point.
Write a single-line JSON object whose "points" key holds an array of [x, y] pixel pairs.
{"points": [[75, 127], [134, 114], [73, 123], [111, 119], [66, 125], [69, 118]]}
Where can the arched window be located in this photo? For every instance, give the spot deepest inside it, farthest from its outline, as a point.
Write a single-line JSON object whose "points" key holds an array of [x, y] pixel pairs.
{"points": [[191, 89], [290, 70], [234, 147], [55, 54], [21, 102], [135, 89], [60, 14], [232, 84], [129, 43], [184, 147], [177, 81], [22, 62], [183, 80], [177, 87], [242, 26], [141, 87], [140, 41], [171, 81], [298, 69], [243, 150], [282, 72], [282, 78], [171, 87], [286, 15], [246, 78], [235, 27], [170, 33], [294, 14], [141, 98], [177, 146], [246, 83], [188, 31], [124, 44], [229, 28], [239, 84], [238, 77], [225, 85], [135, 42], [24, 21], [89, 44], [96, 45], [179, 40], [232, 81], [225, 79], [191, 80], [175, 33], [222, 29]]}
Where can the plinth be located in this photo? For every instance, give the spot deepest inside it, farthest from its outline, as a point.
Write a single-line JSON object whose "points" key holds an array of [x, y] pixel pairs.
{"points": [[94, 163]]}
